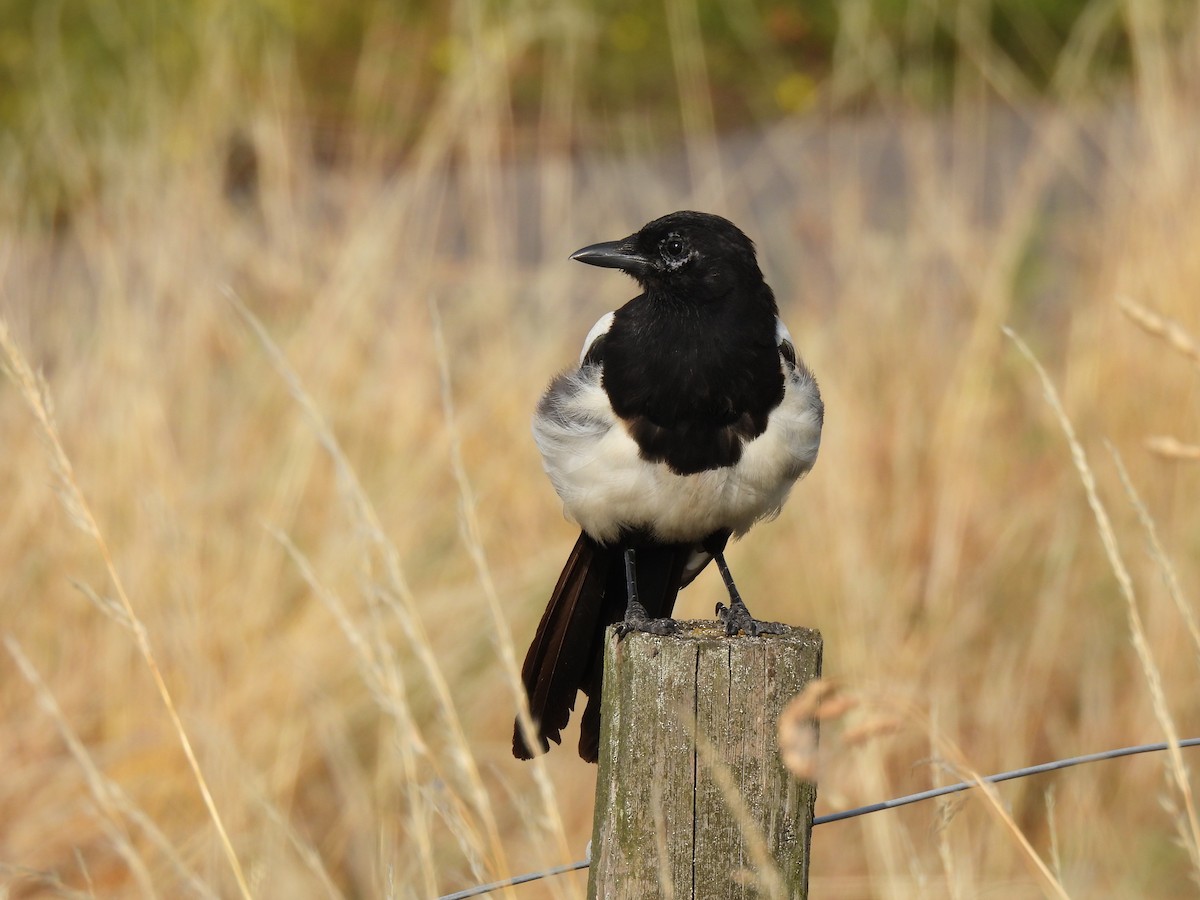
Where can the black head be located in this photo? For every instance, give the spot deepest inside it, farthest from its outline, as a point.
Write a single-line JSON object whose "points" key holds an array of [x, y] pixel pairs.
{"points": [[689, 255]]}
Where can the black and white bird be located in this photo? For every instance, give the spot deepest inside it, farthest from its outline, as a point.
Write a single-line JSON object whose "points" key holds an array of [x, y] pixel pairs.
{"points": [[687, 420]]}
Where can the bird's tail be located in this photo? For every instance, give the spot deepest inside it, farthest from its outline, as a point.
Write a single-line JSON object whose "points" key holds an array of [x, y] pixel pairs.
{"points": [[567, 653], [562, 648]]}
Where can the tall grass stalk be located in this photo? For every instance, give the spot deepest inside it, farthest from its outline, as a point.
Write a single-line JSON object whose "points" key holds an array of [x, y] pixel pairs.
{"points": [[37, 397], [1137, 630]]}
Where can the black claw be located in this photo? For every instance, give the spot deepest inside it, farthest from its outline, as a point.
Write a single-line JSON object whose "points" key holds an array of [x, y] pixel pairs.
{"points": [[648, 626], [737, 618], [636, 619]]}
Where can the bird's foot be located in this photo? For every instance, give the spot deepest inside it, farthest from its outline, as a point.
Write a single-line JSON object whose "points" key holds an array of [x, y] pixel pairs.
{"points": [[637, 619], [736, 617]]}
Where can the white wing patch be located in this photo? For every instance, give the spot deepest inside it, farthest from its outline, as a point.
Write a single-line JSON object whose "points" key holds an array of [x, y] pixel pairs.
{"points": [[600, 328], [783, 340], [781, 333]]}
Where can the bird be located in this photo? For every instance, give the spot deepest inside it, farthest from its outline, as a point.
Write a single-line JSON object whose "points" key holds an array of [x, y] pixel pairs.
{"points": [[687, 420]]}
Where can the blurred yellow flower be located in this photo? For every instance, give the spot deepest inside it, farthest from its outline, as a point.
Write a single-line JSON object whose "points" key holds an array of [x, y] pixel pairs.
{"points": [[629, 32], [795, 92], [445, 54]]}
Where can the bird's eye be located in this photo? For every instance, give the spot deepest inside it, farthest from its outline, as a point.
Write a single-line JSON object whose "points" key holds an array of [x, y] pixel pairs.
{"points": [[673, 248]]}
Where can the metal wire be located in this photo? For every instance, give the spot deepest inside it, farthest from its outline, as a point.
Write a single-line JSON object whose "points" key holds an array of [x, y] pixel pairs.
{"points": [[1003, 776], [512, 882], [864, 810]]}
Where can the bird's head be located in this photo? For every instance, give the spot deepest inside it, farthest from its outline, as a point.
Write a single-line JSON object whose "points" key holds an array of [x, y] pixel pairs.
{"points": [[691, 256]]}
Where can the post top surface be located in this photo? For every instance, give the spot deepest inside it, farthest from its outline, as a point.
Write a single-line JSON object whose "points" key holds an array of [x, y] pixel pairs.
{"points": [[709, 631]]}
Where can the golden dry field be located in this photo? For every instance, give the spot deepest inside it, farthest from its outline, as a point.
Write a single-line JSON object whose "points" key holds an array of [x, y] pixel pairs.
{"points": [[275, 533]]}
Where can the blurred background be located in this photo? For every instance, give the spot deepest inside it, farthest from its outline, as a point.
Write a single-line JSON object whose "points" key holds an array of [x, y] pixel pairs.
{"points": [[293, 275]]}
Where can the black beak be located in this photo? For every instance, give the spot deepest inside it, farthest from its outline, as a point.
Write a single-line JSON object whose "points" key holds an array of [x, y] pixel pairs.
{"points": [[614, 255]]}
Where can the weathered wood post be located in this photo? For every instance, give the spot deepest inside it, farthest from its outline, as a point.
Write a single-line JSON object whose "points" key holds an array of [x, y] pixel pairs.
{"points": [[692, 801]]}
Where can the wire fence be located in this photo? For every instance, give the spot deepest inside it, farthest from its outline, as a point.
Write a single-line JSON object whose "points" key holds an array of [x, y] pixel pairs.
{"points": [[863, 810]]}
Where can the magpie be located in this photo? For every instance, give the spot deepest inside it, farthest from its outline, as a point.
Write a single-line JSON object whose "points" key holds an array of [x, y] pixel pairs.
{"points": [[687, 420]]}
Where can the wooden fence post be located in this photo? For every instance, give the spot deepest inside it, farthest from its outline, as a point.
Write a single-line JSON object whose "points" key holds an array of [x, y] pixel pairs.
{"points": [[692, 801]]}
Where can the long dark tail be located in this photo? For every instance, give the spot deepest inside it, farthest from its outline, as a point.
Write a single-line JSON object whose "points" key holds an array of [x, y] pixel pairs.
{"points": [[567, 653]]}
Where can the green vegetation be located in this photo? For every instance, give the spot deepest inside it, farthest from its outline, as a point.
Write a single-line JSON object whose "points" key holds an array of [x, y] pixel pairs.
{"points": [[369, 71]]}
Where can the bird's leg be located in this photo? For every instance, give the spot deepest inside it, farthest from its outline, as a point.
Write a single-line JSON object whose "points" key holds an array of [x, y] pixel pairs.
{"points": [[636, 617], [736, 617]]}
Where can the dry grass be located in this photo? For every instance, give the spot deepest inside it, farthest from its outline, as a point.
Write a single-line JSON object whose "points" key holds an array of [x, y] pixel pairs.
{"points": [[279, 656]]}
